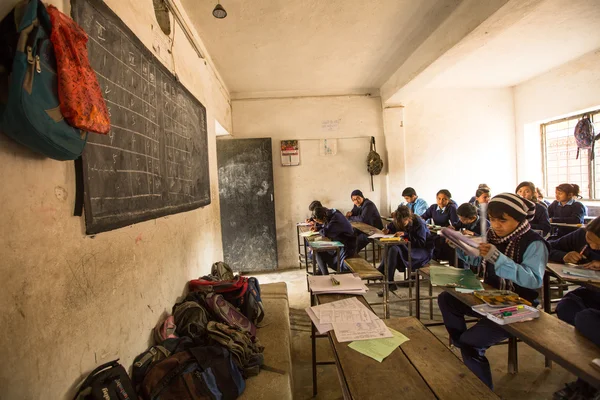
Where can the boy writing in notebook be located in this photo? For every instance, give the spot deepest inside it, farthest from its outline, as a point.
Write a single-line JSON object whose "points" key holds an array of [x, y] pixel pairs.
{"points": [[514, 259]]}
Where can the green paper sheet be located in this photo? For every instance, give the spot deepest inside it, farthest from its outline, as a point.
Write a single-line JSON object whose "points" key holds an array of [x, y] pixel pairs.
{"points": [[454, 277], [379, 349]]}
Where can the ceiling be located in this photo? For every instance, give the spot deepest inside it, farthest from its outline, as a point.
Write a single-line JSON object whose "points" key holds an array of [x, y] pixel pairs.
{"points": [[276, 47], [553, 33]]}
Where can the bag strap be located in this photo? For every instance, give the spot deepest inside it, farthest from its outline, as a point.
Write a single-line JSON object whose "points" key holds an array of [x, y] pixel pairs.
{"points": [[373, 148], [92, 375]]}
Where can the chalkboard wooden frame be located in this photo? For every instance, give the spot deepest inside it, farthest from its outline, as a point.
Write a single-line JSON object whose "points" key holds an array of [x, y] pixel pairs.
{"points": [[170, 174]]}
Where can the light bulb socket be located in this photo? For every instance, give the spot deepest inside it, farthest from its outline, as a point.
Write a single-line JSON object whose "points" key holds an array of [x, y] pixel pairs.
{"points": [[219, 12]]}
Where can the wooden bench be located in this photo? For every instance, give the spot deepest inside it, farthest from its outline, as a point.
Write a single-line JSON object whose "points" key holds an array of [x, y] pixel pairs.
{"points": [[275, 335], [422, 368], [363, 269]]}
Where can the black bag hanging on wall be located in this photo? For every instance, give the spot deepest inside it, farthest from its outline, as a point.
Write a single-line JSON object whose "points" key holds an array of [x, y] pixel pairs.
{"points": [[374, 162]]}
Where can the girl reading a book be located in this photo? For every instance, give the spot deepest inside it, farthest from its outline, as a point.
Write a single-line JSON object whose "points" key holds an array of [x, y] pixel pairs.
{"points": [[580, 307], [412, 228], [540, 221], [514, 259], [469, 222], [442, 214], [336, 227]]}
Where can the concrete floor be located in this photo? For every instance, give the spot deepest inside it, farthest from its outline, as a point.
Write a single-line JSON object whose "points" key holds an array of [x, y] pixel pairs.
{"points": [[533, 381]]}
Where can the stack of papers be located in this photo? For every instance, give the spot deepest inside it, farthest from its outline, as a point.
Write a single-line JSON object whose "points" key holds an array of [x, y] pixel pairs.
{"points": [[352, 322], [325, 243], [346, 283], [380, 235], [308, 234]]}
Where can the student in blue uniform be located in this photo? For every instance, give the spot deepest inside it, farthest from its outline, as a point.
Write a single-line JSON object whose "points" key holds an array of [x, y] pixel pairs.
{"points": [[482, 196], [468, 220], [580, 307], [413, 228], [311, 207], [566, 209], [337, 228], [364, 211], [481, 186], [540, 221], [416, 204], [443, 214], [514, 259]]}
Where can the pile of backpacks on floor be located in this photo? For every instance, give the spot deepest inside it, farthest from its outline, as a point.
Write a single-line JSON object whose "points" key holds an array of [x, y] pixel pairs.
{"points": [[204, 350]]}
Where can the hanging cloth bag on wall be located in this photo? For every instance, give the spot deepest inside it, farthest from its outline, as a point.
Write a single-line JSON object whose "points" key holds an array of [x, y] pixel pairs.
{"points": [[584, 136], [29, 105], [81, 100], [374, 162]]}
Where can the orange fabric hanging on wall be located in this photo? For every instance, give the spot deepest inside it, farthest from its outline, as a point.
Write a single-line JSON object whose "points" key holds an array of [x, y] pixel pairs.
{"points": [[81, 101]]}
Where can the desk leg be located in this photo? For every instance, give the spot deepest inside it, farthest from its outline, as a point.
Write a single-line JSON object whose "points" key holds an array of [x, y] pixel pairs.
{"points": [[409, 281], [386, 288], [373, 245], [314, 350], [418, 295], [546, 293], [339, 266], [430, 300], [513, 359]]}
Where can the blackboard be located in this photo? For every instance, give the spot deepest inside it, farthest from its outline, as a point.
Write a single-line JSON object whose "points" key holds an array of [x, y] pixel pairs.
{"points": [[154, 162], [246, 192]]}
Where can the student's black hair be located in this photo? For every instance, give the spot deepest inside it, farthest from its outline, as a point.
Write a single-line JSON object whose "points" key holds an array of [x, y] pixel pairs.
{"points": [[314, 204], [409, 192], [531, 187], [401, 213], [569, 188], [320, 213], [594, 226], [467, 210], [481, 191], [445, 192], [483, 186], [497, 210]]}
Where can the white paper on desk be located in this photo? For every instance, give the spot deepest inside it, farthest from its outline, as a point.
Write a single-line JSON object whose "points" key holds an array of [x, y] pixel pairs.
{"points": [[309, 233], [380, 235], [328, 316], [304, 224], [346, 304], [348, 283], [581, 272], [350, 331], [321, 328]]}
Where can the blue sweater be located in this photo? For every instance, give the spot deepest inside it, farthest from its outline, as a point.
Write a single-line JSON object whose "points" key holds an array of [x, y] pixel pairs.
{"points": [[574, 241], [417, 234], [474, 227], [367, 213], [540, 220], [441, 218], [339, 228]]}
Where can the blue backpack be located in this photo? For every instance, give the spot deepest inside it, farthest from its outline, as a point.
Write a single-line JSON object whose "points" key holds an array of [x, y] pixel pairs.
{"points": [[30, 114], [584, 136]]}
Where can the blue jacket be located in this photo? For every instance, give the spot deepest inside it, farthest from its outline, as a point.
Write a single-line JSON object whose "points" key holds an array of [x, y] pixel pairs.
{"points": [[571, 213], [339, 228], [367, 213], [417, 234], [540, 220], [574, 241], [441, 218], [474, 227], [418, 207]]}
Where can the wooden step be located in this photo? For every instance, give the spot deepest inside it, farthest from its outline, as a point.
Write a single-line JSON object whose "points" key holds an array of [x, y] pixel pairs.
{"points": [[363, 268]]}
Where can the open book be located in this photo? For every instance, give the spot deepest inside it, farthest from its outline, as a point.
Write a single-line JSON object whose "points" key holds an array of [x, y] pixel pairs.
{"points": [[469, 246]]}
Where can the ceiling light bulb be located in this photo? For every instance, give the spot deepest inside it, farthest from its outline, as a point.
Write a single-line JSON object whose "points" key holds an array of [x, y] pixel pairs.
{"points": [[219, 11]]}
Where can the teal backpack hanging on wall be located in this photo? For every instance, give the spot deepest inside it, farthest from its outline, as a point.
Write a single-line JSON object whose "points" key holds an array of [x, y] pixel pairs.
{"points": [[29, 105]]}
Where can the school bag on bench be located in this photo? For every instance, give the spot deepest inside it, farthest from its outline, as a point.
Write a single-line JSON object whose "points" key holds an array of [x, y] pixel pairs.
{"points": [[206, 372], [227, 313], [29, 105], [108, 381], [247, 353]]}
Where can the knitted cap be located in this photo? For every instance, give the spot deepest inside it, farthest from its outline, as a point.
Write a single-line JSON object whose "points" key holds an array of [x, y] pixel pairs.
{"points": [[516, 202], [357, 193]]}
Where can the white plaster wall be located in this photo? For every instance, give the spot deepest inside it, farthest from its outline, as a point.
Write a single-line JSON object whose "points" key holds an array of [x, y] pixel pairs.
{"points": [[457, 138], [71, 302], [329, 179], [568, 89]]}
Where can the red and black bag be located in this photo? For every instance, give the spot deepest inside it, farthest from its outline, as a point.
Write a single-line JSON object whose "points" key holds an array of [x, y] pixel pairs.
{"points": [[233, 290], [80, 96]]}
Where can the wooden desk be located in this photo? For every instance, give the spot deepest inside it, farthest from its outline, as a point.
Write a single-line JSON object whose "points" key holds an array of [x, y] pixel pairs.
{"points": [[555, 269], [422, 368], [319, 249], [365, 228], [555, 339]]}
